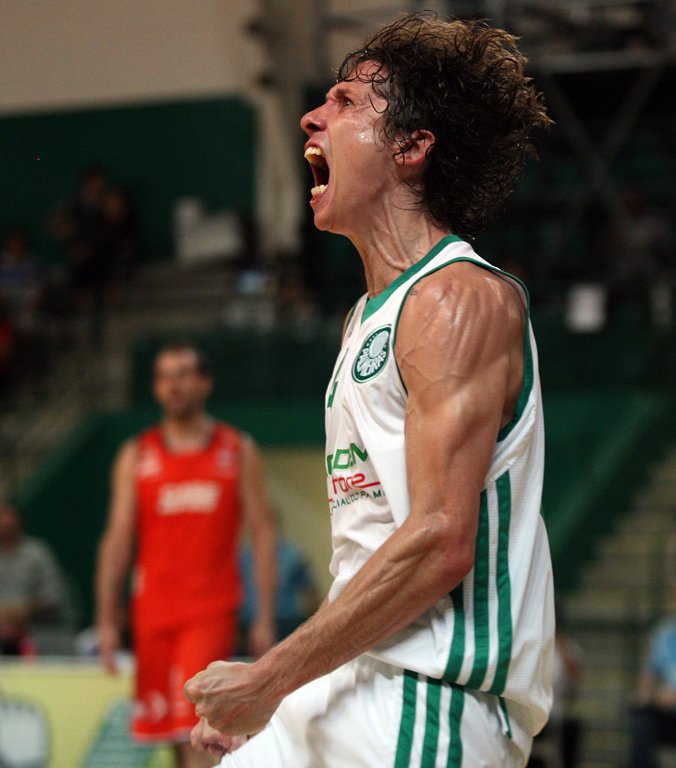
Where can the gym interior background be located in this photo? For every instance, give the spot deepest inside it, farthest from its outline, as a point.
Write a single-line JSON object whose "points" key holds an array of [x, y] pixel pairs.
{"points": [[191, 109]]}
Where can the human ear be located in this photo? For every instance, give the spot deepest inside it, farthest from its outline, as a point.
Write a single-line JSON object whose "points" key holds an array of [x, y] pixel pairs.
{"points": [[414, 149]]}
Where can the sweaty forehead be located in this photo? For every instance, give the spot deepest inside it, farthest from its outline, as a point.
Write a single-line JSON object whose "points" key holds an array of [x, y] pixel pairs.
{"points": [[365, 74]]}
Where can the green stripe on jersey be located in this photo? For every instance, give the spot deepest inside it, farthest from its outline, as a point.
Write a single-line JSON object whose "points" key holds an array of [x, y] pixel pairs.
{"points": [[527, 385], [457, 653], [455, 719], [406, 727], [504, 586], [481, 616], [431, 739]]}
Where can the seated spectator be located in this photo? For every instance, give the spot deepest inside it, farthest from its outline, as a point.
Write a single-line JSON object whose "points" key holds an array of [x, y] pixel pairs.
{"points": [[120, 239], [31, 585], [21, 291], [7, 347], [641, 256], [20, 281], [653, 718], [297, 597], [78, 224]]}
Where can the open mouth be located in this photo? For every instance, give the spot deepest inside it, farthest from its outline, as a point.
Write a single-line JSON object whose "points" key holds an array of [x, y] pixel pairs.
{"points": [[320, 170]]}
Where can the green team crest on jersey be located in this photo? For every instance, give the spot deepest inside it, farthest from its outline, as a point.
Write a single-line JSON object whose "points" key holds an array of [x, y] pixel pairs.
{"points": [[373, 355]]}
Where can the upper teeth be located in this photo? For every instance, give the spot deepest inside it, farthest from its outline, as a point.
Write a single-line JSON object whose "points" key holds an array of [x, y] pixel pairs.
{"points": [[315, 156]]}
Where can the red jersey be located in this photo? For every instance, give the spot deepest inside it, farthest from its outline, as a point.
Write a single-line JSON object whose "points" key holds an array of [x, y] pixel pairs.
{"points": [[188, 523]]}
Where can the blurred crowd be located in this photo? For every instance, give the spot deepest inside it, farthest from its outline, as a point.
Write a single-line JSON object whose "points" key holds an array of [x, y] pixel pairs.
{"points": [[44, 305]]}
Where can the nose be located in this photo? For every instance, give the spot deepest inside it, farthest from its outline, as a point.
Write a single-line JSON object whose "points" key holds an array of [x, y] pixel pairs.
{"points": [[313, 121]]}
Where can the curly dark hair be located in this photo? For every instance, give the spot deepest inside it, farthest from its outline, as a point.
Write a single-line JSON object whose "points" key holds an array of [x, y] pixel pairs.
{"points": [[464, 82]]}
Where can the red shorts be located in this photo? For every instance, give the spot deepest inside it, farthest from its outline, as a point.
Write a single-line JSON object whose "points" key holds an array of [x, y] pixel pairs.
{"points": [[165, 660]]}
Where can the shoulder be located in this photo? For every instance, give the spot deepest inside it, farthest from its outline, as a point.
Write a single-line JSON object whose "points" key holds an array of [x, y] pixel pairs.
{"points": [[131, 447], [462, 298], [249, 447], [127, 458], [466, 287], [225, 431]]}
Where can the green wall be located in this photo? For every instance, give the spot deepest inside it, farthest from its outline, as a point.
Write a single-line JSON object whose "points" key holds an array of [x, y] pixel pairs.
{"points": [[159, 151]]}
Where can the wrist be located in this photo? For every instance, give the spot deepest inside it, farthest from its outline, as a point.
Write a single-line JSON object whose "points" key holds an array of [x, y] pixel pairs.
{"points": [[271, 673]]}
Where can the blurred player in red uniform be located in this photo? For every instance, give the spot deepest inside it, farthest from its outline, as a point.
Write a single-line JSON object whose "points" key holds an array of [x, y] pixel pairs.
{"points": [[180, 493]]}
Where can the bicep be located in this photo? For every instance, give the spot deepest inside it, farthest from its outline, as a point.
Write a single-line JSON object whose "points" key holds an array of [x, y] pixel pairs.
{"points": [[122, 506], [457, 376]]}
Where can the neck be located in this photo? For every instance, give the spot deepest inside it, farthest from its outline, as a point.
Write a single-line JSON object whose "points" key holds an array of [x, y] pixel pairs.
{"points": [[396, 239], [188, 432]]}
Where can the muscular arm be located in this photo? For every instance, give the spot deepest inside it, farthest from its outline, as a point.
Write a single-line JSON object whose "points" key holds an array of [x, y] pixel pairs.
{"points": [[115, 551], [460, 353], [263, 531]]}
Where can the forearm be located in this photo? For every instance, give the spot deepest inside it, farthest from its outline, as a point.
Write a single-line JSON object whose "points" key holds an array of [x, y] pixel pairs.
{"points": [[113, 564], [264, 546], [406, 576]]}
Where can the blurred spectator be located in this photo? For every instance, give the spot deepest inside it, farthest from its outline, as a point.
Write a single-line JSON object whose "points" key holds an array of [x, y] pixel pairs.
{"points": [[21, 291], [641, 257], [120, 242], [79, 225], [20, 281], [297, 597], [653, 718], [7, 346], [100, 233], [31, 585], [296, 305]]}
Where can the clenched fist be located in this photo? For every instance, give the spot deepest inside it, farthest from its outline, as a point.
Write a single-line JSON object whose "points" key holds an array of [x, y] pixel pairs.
{"points": [[231, 697]]}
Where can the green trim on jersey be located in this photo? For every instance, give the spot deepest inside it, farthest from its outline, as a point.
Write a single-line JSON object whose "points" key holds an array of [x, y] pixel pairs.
{"points": [[432, 693], [455, 715], [374, 304], [505, 715], [504, 585], [431, 737], [480, 605], [528, 375], [481, 589], [457, 653], [407, 726]]}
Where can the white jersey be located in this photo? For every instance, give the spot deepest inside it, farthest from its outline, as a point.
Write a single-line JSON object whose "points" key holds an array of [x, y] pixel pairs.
{"points": [[494, 632]]}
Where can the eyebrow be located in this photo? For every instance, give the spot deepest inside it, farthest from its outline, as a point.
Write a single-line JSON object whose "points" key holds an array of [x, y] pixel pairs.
{"points": [[337, 90]]}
